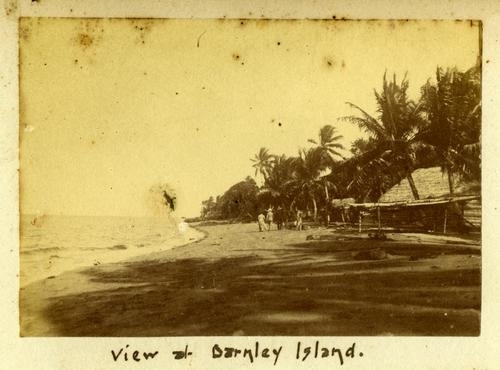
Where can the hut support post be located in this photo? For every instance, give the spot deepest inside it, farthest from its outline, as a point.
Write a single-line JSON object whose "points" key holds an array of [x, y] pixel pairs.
{"points": [[359, 221], [378, 217], [445, 219]]}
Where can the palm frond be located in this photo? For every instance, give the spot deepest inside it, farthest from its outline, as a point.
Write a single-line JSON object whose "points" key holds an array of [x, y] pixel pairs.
{"points": [[366, 123]]}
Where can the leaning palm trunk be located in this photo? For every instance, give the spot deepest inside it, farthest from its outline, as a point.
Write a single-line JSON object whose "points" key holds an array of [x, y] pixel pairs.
{"points": [[315, 209], [412, 186], [327, 200], [450, 180]]}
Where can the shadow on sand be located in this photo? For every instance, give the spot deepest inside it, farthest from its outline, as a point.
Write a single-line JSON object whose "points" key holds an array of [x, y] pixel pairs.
{"points": [[311, 288]]}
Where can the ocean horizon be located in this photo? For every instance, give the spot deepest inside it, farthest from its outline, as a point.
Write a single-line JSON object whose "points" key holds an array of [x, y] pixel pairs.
{"points": [[51, 245]]}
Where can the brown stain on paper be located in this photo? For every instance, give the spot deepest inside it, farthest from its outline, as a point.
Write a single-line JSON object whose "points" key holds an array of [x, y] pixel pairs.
{"points": [[85, 40], [10, 7], [238, 58], [143, 28], [38, 221], [25, 29], [89, 33]]}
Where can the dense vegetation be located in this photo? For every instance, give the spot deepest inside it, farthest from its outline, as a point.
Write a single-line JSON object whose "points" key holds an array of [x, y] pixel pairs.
{"points": [[442, 128]]}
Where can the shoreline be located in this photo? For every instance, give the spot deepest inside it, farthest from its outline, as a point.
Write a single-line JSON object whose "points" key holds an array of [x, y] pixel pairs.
{"points": [[239, 281], [190, 235]]}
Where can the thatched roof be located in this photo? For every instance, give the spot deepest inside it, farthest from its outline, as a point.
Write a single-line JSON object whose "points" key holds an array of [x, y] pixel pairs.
{"points": [[430, 183]]}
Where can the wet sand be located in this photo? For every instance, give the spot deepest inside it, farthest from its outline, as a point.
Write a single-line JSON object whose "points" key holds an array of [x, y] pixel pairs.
{"points": [[238, 281]]}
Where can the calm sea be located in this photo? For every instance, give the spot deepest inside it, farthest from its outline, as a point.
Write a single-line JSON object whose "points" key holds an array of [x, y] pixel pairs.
{"points": [[51, 245]]}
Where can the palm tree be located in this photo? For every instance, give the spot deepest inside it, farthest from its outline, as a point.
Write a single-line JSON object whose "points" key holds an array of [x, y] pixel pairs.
{"points": [[276, 189], [395, 128], [306, 183], [453, 121], [329, 147], [262, 162], [328, 141], [367, 174]]}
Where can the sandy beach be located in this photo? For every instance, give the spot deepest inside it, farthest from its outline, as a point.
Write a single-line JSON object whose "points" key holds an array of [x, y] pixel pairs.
{"points": [[238, 281]]}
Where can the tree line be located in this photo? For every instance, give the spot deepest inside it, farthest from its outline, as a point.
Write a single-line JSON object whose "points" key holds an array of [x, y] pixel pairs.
{"points": [[441, 128]]}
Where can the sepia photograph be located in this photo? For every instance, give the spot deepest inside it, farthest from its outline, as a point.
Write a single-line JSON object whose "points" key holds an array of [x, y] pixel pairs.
{"points": [[249, 177]]}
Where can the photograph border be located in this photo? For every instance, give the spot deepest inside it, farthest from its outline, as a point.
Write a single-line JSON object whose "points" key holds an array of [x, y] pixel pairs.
{"points": [[381, 352]]}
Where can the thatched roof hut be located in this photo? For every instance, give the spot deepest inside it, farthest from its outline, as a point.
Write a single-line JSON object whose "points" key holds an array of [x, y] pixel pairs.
{"points": [[436, 209], [430, 183]]}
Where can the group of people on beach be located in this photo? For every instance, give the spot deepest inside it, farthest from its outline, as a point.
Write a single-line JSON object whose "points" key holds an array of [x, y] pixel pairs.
{"points": [[266, 221]]}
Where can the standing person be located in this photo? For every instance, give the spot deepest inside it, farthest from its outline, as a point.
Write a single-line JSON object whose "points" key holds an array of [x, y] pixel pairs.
{"points": [[269, 218], [325, 217], [278, 218], [299, 220], [261, 219]]}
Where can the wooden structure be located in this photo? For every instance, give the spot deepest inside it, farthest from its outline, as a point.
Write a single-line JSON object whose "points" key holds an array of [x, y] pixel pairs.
{"points": [[418, 210], [437, 209]]}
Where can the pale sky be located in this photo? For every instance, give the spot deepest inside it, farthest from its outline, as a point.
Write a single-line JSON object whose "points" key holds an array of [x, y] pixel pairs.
{"points": [[110, 108]]}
